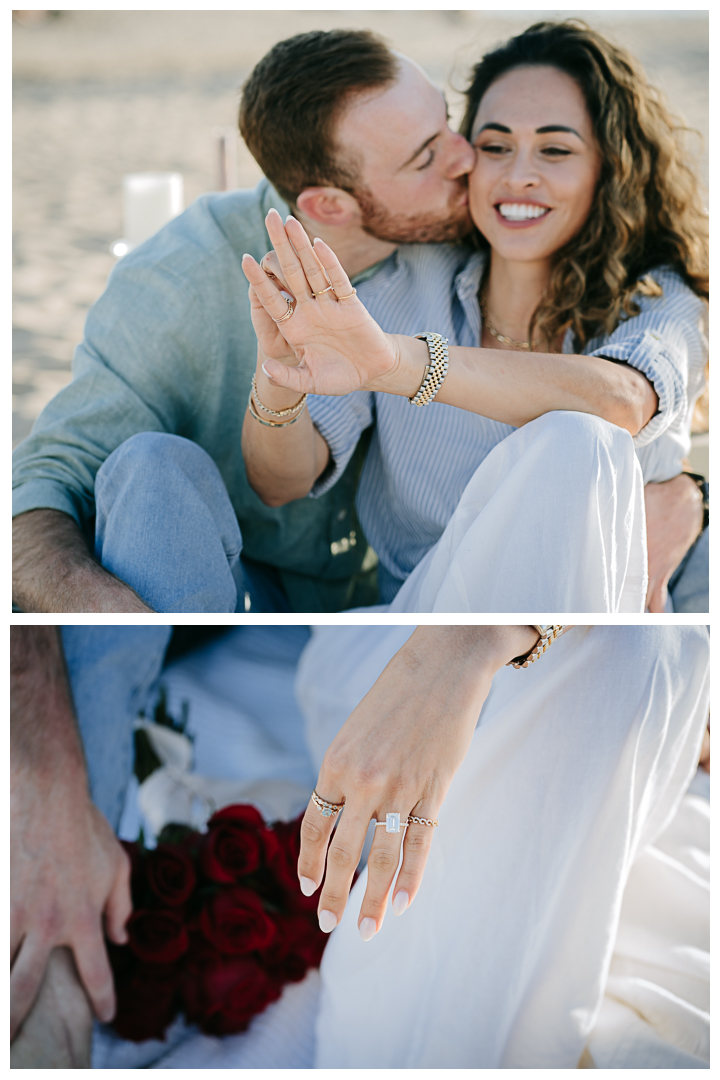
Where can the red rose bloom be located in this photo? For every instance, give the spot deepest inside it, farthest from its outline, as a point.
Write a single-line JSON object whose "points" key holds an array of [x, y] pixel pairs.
{"points": [[132, 850], [201, 938], [235, 923], [282, 858], [137, 869], [158, 937], [283, 853], [232, 847], [170, 873], [222, 994], [298, 946], [147, 1000]]}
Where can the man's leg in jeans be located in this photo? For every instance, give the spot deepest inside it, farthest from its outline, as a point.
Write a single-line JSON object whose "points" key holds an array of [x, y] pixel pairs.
{"points": [[166, 526]]}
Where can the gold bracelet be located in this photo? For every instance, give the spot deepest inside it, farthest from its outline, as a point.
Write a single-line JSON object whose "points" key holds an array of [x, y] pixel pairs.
{"points": [[271, 423], [435, 371], [273, 412], [548, 633]]}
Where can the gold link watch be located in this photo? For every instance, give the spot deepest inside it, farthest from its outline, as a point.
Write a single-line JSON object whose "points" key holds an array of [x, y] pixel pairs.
{"points": [[435, 371], [548, 633]]}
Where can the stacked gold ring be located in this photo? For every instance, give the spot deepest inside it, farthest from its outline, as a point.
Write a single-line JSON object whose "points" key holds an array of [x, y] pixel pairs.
{"points": [[327, 809], [287, 314], [421, 821]]}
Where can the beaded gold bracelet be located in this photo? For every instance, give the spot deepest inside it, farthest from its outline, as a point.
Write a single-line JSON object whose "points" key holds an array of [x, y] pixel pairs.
{"points": [[271, 423], [274, 412], [548, 633]]}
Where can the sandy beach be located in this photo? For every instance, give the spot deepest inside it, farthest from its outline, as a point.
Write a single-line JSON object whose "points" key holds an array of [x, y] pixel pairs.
{"points": [[98, 94]]}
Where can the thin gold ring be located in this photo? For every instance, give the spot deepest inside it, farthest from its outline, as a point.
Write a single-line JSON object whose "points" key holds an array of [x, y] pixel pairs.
{"points": [[345, 297], [327, 809], [323, 291], [287, 314]]}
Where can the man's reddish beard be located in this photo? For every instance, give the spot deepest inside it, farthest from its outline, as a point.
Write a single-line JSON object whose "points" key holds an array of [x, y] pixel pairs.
{"points": [[453, 224]]}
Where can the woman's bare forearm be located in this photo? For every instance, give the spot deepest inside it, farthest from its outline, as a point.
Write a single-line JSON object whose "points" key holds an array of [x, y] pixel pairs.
{"points": [[517, 387], [54, 571], [282, 463]]}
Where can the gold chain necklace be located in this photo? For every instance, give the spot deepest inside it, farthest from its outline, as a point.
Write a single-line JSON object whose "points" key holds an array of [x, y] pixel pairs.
{"points": [[496, 333]]}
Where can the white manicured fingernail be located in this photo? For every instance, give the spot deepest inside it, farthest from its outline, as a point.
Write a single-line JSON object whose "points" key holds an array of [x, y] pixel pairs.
{"points": [[328, 921], [307, 886], [290, 218], [265, 370], [367, 928], [400, 902]]}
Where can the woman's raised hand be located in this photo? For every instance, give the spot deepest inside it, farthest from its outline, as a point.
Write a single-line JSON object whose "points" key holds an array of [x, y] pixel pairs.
{"points": [[338, 347]]}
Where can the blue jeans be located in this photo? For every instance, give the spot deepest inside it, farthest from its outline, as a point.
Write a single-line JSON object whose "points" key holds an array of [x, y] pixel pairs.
{"points": [[165, 525]]}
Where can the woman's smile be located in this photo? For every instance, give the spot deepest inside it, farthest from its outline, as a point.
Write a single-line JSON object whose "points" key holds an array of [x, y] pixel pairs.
{"points": [[521, 214]]}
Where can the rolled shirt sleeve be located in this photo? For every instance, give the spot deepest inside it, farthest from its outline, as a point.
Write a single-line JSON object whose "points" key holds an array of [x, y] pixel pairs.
{"points": [[665, 341], [341, 421]]}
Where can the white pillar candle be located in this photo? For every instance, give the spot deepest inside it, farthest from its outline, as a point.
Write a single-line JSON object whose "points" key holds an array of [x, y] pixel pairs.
{"points": [[150, 200]]}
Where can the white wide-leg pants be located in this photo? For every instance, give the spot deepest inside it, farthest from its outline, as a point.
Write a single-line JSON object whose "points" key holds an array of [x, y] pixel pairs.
{"points": [[553, 520], [577, 763]]}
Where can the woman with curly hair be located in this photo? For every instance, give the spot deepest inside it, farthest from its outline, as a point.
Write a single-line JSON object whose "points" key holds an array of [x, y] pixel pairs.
{"points": [[522, 488]]}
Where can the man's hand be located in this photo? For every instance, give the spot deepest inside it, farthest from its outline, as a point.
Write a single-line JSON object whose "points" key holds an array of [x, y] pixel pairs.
{"points": [[69, 874], [54, 571], [674, 515]]}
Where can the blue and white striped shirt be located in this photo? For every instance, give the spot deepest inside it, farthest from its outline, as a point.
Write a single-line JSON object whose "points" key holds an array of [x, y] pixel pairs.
{"points": [[420, 460]]}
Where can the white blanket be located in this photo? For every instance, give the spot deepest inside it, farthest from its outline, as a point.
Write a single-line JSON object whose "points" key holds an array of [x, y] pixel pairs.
{"points": [[248, 730]]}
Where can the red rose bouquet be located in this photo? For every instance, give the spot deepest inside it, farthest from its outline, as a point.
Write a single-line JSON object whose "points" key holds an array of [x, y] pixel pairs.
{"points": [[219, 926]]}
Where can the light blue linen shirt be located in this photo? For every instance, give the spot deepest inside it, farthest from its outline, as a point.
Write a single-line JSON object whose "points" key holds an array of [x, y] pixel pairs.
{"points": [[420, 460], [170, 347]]}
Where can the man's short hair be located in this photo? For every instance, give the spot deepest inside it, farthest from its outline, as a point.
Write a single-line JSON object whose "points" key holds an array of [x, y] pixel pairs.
{"points": [[292, 100]]}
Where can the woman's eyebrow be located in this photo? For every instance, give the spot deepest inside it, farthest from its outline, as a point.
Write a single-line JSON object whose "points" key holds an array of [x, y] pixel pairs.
{"points": [[538, 131], [558, 127]]}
